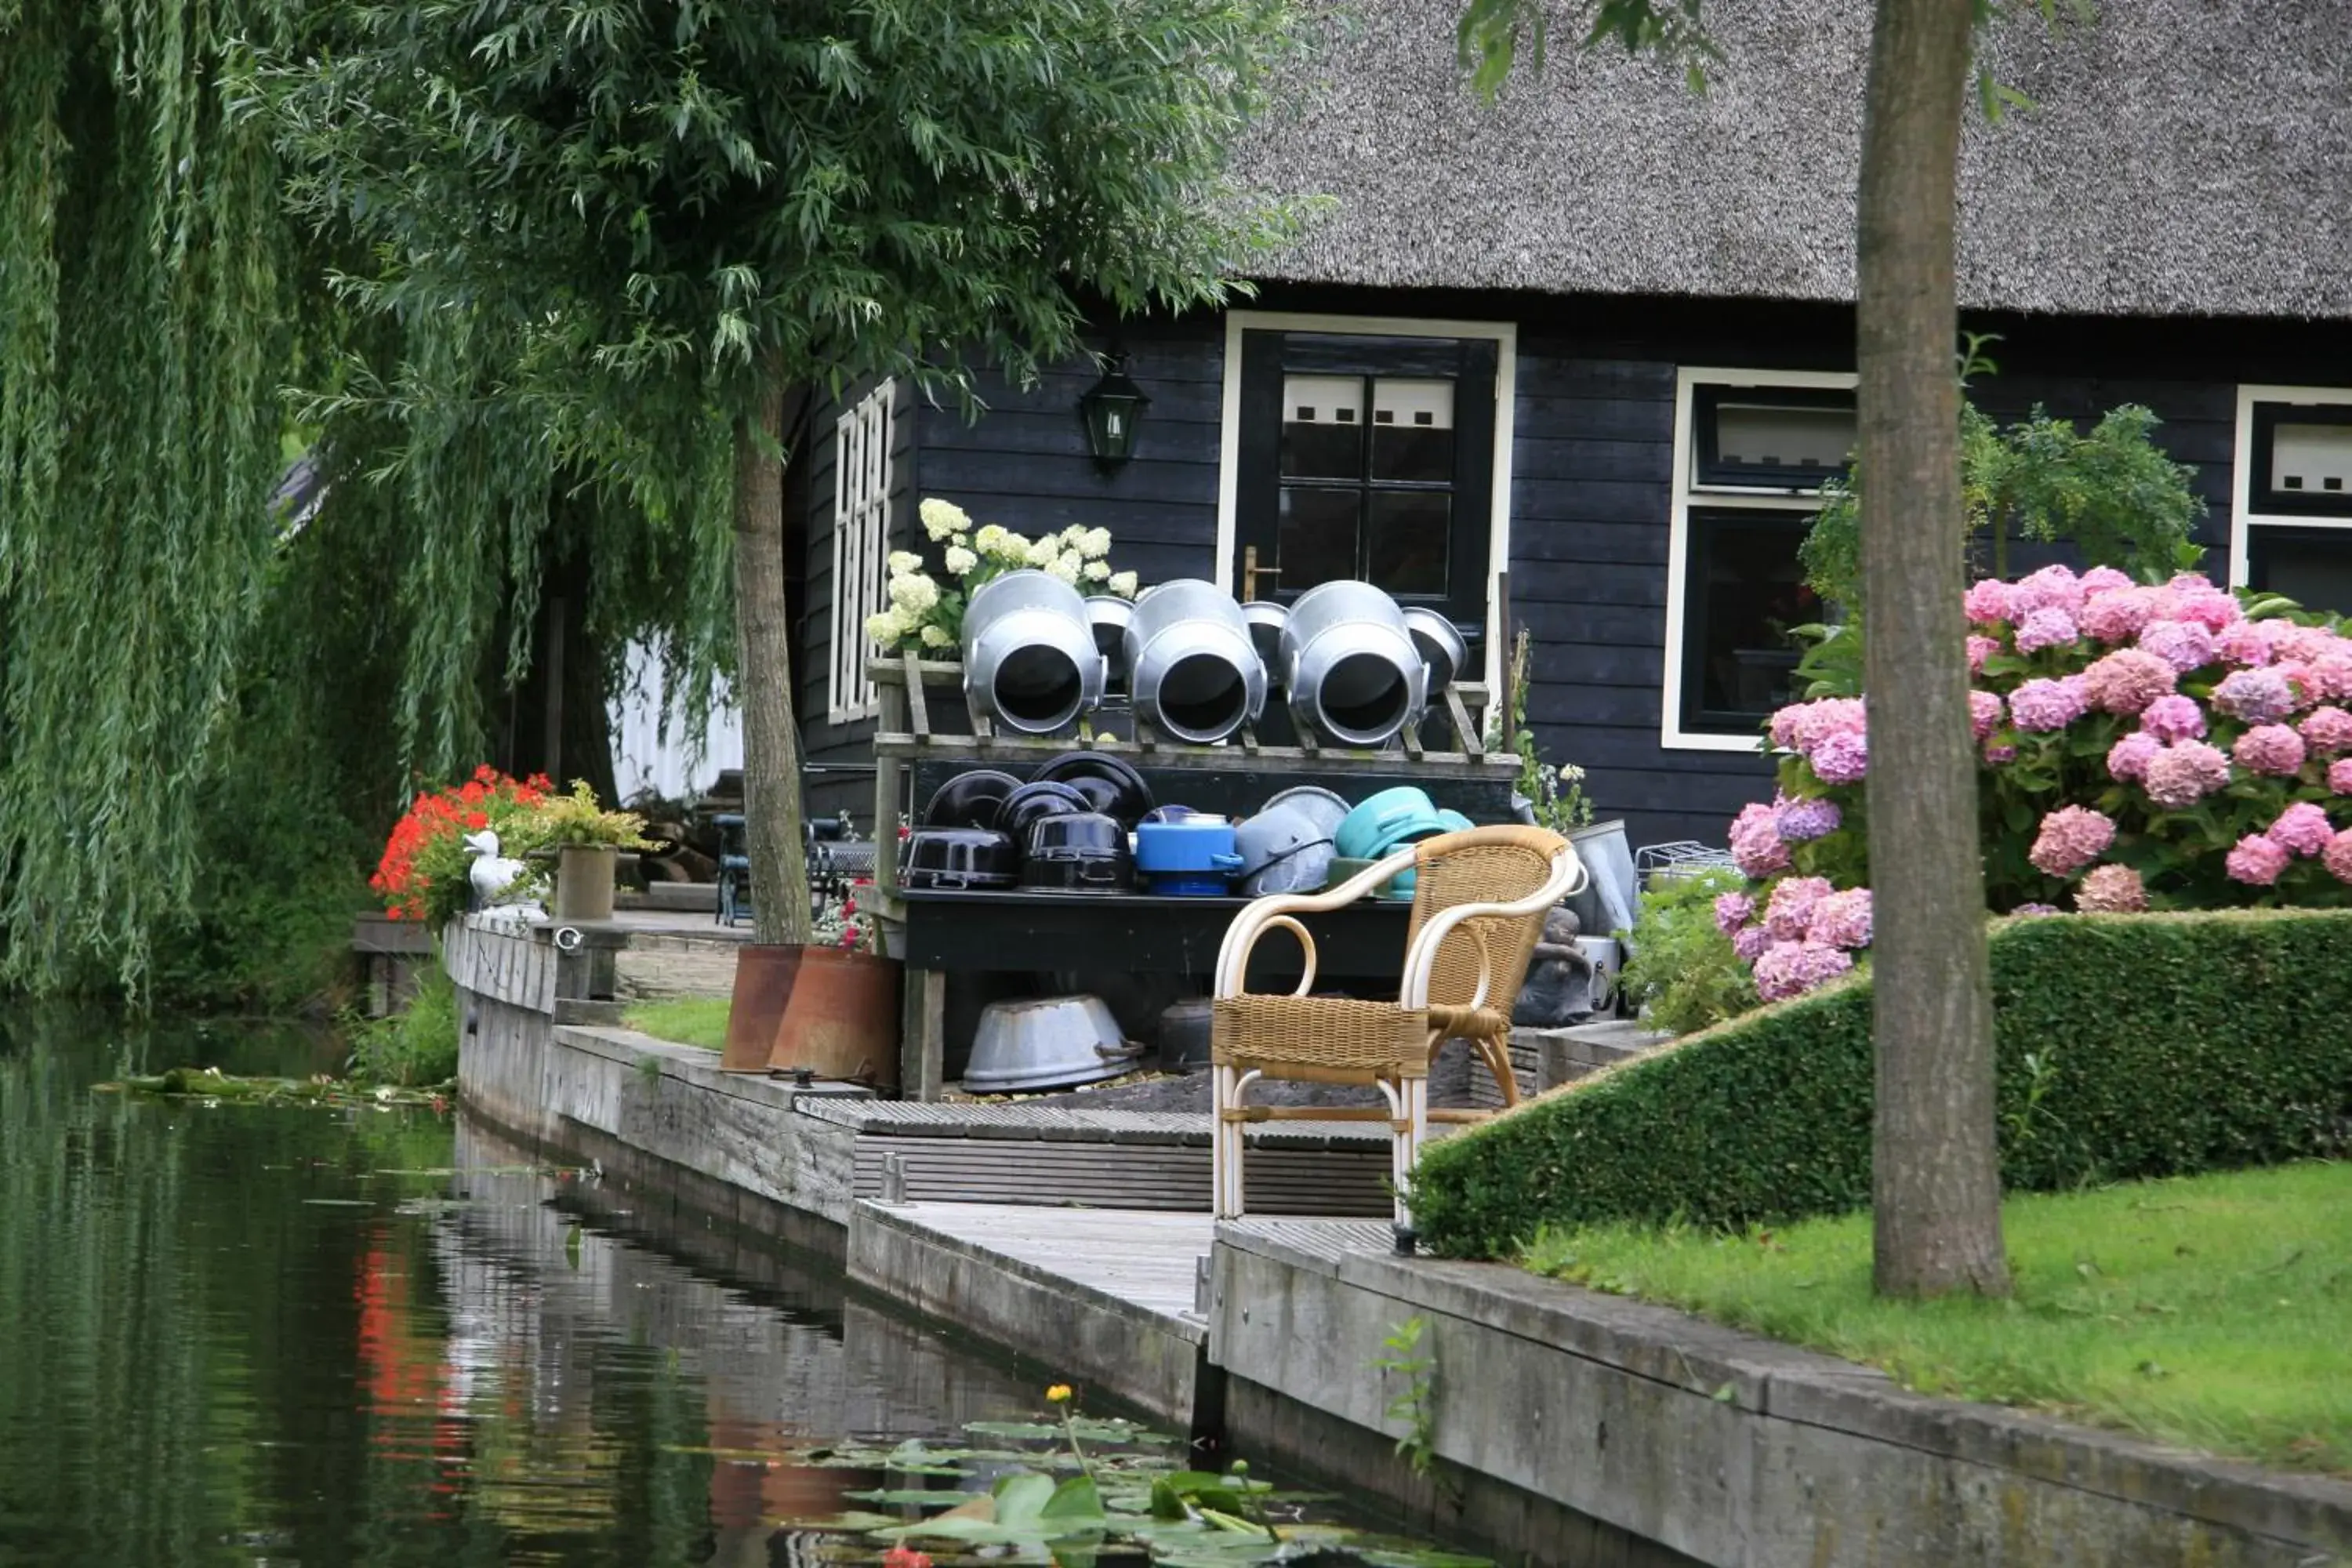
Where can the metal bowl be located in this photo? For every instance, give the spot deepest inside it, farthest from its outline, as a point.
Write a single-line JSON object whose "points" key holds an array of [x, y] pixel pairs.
{"points": [[1052, 1043]]}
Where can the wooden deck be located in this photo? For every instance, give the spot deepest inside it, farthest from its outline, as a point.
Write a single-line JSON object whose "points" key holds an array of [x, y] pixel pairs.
{"points": [[1144, 1260]]}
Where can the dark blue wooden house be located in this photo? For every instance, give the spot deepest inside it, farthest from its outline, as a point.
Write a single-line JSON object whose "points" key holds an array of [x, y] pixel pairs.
{"points": [[1599, 338]]}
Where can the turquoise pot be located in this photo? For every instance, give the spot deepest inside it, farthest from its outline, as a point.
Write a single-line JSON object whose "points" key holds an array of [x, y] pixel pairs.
{"points": [[1385, 820]]}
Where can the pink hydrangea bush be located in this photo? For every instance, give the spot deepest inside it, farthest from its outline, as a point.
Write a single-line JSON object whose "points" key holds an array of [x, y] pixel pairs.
{"points": [[2142, 746]]}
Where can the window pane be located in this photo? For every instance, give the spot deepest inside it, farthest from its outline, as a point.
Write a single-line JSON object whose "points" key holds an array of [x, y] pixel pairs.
{"points": [[2313, 566], [1412, 430], [1408, 539], [1322, 428], [1749, 592], [2313, 460], [1319, 536], [1760, 441]]}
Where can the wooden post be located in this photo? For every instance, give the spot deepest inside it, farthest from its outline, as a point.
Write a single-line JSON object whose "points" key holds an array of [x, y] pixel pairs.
{"points": [[888, 774], [922, 1041]]}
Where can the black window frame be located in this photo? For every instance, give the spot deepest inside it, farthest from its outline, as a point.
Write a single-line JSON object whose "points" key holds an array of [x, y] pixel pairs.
{"points": [[1474, 365], [2260, 499], [1692, 715], [1709, 469]]}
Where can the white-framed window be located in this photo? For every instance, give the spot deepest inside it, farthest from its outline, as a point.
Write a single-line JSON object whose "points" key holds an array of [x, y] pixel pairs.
{"points": [[1369, 446], [1751, 449], [2291, 520], [861, 545]]}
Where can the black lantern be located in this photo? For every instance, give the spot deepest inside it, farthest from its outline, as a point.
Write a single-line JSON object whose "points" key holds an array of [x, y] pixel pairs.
{"points": [[1112, 407]]}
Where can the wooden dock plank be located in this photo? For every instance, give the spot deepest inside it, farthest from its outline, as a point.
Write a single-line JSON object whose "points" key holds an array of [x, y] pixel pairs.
{"points": [[1148, 1260]]}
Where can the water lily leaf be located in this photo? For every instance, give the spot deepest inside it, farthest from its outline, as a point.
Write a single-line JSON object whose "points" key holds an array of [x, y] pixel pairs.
{"points": [[909, 1496], [854, 1523], [1011, 1429], [1021, 1500], [1075, 1502]]}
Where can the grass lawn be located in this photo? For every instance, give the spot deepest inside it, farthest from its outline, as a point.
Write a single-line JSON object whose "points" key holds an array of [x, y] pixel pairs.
{"points": [[688, 1020], [2213, 1312]]}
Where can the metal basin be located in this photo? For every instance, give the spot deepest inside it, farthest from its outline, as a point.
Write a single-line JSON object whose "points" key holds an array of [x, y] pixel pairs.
{"points": [[1192, 668], [1108, 614], [1029, 657], [1052, 1043], [1349, 666]]}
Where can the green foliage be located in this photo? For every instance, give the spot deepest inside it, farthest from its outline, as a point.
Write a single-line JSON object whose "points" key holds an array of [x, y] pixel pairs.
{"points": [[2166, 1043], [684, 1020], [574, 820], [145, 326], [2112, 493], [414, 1048], [1554, 791], [2201, 1312], [1414, 1406], [1680, 970]]}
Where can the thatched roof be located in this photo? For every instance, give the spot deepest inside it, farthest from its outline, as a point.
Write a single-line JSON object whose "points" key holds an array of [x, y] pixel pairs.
{"points": [[2184, 157]]}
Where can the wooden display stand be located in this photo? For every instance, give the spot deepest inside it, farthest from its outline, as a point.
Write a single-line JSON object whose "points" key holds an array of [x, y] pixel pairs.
{"points": [[936, 931]]}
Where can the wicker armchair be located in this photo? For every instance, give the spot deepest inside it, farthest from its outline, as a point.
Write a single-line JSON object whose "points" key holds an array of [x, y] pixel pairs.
{"points": [[1479, 901]]}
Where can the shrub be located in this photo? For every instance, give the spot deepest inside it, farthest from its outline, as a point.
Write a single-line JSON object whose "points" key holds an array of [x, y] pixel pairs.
{"points": [[1681, 972], [2128, 1045], [414, 1048]]}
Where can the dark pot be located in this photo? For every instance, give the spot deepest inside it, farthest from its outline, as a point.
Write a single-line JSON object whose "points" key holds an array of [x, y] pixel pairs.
{"points": [[970, 799], [1038, 798], [1078, 832], [1079, 852], [960, 857], [1111, 783]]}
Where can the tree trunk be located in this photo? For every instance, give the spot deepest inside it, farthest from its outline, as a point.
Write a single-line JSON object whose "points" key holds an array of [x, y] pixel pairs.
{"points": [[763, 688], [1936, 1180]]}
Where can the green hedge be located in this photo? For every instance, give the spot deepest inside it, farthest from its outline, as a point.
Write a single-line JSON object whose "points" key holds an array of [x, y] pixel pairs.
{"points": [[2130, 1045]]}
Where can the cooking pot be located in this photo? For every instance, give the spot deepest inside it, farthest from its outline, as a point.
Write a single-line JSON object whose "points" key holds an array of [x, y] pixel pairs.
{"points": [[1326, 808], [960, 857], [1038, 798], [970, 799], [1405, 882], [1381, 822], [1191, 855], [1029, 655], [1083, 851], [1127, 797], [1284, 850]]}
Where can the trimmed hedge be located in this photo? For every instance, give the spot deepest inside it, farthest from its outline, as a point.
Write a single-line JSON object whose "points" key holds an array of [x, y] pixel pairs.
{"points": [[2130, 1045]]}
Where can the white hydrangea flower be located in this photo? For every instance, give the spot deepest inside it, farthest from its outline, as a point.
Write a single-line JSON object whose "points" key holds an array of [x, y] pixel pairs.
{"points": [[1098, 571], [1044, 553], [903, 562], [960, 560], [1065, 567], [941, 517], [1123, 584], [1096, 544], [1076, 563], [935, 635], [885, 627], [913, 594], [961, 541], [1075, 535], [988, 538]]}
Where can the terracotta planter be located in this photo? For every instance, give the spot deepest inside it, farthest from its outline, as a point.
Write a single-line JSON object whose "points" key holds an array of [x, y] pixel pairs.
{"points": [[763, 983], [834, 1013], [584, 881]]}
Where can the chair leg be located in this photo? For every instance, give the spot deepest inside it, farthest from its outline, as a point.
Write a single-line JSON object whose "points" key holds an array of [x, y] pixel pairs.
{"points": [[1499, 1060], [1225, 1143], [1408, 1151]]}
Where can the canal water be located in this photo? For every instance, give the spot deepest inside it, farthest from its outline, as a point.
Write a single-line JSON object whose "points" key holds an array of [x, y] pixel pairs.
{"points": [[273, 1336]]}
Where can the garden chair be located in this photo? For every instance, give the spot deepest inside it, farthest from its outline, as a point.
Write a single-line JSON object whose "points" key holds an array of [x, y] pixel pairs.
{"points": [[1478, 907]]}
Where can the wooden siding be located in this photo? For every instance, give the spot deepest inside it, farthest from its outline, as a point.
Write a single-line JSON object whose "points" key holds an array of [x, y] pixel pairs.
{"points": [[1591, 487]]}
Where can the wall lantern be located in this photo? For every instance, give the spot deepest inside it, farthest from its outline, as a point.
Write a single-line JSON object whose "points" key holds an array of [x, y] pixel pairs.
{"points": [[1112, 408]]}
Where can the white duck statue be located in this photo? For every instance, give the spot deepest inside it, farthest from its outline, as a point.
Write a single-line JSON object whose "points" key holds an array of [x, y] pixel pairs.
{"points": [[493, 876]]}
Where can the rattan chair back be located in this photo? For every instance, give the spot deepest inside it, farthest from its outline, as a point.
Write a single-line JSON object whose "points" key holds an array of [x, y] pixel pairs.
{"points": [[1481, 865]]}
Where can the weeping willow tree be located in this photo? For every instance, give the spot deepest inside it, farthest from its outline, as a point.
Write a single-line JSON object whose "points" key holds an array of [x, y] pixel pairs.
{"points": [[145, 325], [657, 231], [203, 696]]}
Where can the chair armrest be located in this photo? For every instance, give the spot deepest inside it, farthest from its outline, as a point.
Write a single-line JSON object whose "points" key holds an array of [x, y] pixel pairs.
{"points": [[1261, 915], [1568, 875]]}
